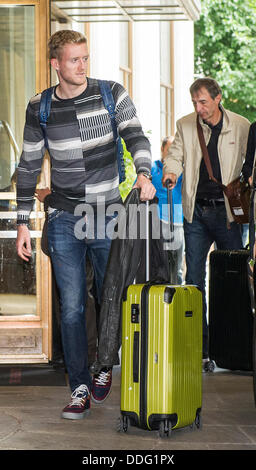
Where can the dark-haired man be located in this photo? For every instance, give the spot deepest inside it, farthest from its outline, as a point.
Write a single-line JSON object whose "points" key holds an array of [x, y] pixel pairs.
{"points": [[207, 216]]}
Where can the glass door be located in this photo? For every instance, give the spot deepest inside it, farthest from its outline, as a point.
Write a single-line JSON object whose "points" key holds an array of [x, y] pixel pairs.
{"points": [[25, 313]]}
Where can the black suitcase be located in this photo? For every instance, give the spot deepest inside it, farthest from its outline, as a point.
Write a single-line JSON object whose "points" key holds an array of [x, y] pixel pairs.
{"points": [[230, 310], [254, 358]]}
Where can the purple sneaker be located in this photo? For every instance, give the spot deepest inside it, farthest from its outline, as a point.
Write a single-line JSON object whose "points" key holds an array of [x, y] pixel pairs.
{"points": [[80, 404], [101, 385]]}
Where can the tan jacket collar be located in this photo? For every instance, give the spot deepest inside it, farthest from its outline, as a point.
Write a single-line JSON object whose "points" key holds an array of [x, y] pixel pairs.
{"points": [[226, 121]]}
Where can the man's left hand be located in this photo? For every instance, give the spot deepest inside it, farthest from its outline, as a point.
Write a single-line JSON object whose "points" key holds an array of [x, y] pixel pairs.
{"points": [[148, 191], [42, 193]]}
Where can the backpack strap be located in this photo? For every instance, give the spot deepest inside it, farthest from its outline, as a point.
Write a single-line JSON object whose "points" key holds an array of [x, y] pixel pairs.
{"points": [[109, 104], [44, 111]]}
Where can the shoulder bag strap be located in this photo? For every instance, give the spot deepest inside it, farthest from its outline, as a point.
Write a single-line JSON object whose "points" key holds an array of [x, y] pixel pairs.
{"points": [[206, 154]]}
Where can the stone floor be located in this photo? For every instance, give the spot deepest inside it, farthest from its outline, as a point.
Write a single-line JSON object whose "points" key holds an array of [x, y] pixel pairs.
{"points": [[30, 420]]}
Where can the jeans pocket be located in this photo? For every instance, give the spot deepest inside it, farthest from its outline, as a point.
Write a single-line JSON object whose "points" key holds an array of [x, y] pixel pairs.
{"points": [[53, 215]]}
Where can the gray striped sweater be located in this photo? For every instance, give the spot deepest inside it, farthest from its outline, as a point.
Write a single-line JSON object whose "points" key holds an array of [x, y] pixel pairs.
{"points": [[81, 148]]}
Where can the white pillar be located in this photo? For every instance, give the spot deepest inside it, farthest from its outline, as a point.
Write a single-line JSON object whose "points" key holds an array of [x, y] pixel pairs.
{"points": [[146, 81], [183, 67], [104, 51]]}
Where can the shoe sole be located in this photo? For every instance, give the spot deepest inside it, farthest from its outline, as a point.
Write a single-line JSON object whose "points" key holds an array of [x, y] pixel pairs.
{"points": [[98, 402], [68, 415]]}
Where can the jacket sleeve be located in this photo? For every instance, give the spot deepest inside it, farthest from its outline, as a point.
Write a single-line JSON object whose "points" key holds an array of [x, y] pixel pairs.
{"points": [[173, 163], [130, 129], [250, 152], [30, 162]]}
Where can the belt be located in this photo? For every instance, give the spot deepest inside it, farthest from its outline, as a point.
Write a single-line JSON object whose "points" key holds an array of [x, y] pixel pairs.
{"points": [[210, 202]]}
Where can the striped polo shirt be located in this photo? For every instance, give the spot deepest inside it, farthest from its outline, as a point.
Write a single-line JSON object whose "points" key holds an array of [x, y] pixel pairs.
{"points": [[81, 147]]}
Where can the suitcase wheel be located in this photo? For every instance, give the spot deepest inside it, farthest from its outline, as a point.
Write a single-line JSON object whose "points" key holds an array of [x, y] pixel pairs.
{"points": [[209, 366], [198, 420], [122, 424], [165, 429]]}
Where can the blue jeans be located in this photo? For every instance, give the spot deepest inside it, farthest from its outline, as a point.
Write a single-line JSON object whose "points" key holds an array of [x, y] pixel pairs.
{"points": [[209, 225], [68, 252]]}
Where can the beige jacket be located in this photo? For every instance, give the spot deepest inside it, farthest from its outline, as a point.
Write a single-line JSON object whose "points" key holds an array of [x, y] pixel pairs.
{"points": [[185, 154]]}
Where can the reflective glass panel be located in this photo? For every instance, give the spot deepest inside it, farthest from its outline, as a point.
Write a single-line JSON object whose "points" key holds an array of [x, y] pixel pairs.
{"points": [[17, 85], [18, 280]]}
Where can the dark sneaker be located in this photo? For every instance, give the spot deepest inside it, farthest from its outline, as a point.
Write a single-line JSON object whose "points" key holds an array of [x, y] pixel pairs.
{"points": [[101, 385], [208, 365], [80, 404]]}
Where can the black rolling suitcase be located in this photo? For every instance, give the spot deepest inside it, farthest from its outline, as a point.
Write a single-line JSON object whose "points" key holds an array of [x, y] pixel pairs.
{"points": [[230, 311], [232, 304], [252, 277]]}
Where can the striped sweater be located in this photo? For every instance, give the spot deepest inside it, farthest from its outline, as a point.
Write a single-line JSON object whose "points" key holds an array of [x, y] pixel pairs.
{"points": [[81, 148]]}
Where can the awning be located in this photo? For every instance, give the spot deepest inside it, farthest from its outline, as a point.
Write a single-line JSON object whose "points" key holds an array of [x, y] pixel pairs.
{"points": [[126, 10]]}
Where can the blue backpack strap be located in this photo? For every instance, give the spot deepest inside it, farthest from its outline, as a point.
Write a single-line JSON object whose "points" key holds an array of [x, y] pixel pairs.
{"points": [[109, 104], [44, 111]]}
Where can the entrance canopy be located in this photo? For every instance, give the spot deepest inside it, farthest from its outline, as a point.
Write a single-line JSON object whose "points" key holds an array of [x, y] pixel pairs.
{"points": [[126, 10]]}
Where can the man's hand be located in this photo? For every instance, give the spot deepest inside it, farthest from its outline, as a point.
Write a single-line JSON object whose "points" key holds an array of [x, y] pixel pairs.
{"points": [[23, 243], [148, 191], [42, 193], [169, 176]]}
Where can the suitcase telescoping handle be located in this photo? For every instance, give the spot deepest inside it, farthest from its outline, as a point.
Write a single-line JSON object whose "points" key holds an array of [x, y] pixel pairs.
{"points": [[170, 220], [147, 241], [170, 209]]}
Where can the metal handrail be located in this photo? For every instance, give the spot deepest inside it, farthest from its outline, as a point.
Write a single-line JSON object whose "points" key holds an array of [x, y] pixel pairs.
{"points": [[11, 137]]}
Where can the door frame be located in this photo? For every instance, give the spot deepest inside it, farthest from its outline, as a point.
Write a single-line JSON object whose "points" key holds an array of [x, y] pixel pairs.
{"points": [[44, 296]]}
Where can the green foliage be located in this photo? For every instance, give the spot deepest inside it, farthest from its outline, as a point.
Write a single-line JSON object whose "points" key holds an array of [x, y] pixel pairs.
{"points": [[225, 46], [130, 173]]}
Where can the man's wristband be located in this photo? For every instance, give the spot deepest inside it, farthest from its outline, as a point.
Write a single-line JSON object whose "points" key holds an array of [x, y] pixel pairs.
{"points": [[22, 220], [147, 175], [22, 223]]}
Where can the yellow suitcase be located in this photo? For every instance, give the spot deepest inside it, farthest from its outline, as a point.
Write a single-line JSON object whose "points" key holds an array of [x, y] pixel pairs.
{"points": [[161, 357]]}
